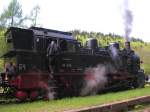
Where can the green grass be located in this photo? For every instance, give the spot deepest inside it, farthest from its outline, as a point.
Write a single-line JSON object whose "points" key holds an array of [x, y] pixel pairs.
{"points": [[140, 108], [147, 68], [73, 103], [143, 50]]}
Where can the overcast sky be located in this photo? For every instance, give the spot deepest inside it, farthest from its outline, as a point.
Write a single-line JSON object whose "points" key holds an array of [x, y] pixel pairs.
{"points": [[90, 15]]}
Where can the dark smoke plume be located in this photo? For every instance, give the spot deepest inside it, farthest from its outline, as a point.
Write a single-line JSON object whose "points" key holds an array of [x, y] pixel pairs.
{"points": [[128, 19]]}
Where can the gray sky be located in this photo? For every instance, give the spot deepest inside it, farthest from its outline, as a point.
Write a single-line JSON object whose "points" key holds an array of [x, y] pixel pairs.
{"points": [[91, 15]]}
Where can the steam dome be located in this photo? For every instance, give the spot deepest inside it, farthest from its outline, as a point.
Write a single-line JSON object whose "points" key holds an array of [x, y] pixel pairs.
{"points": [[92, 43]]}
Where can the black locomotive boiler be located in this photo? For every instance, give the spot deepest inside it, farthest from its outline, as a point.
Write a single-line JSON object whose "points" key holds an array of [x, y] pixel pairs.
{"points": [[50, 63]]}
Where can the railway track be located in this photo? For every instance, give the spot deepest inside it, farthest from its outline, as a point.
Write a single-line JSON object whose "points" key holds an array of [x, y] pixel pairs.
{"points": [[117, 106]]}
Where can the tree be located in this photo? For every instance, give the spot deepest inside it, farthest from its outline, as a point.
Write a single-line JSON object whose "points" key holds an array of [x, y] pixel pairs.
{"points": [[34, 15], [12, 15]]}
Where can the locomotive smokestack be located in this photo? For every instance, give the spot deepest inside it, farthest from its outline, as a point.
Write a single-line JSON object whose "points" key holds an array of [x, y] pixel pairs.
{"points": [[127, 45]]}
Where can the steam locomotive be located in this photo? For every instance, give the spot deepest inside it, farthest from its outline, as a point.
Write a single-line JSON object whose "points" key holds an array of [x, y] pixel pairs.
{"points": [[65, 68]]}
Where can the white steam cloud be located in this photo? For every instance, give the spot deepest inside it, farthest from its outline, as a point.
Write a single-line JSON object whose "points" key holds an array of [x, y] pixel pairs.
{"points": [[51, 93], [128, 19], [114, 52], [95, 79], [48, 92], [115, 56]]}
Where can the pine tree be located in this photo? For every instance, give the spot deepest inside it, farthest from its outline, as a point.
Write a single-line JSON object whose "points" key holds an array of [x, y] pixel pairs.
{"points": [[12, 15]]}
